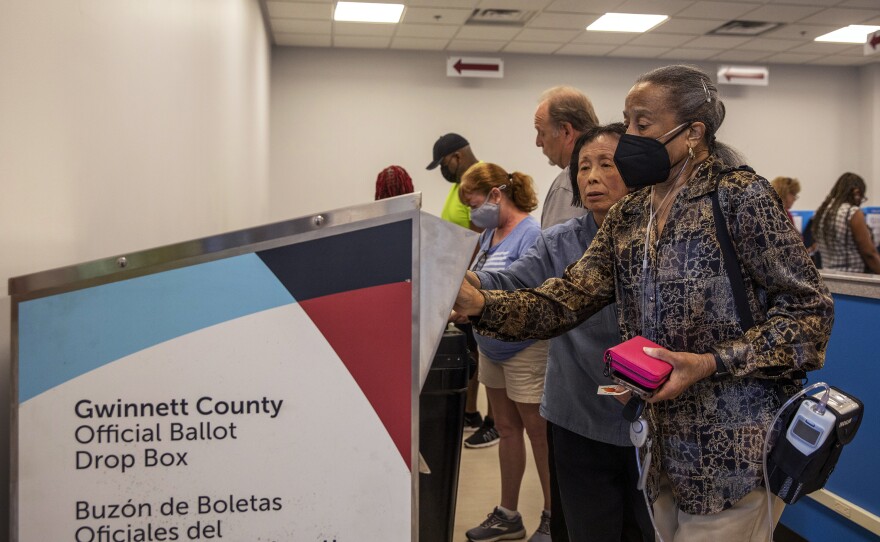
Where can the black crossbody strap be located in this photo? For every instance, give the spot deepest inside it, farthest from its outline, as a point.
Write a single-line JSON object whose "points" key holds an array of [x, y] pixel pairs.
{"points": [[731, 264]]}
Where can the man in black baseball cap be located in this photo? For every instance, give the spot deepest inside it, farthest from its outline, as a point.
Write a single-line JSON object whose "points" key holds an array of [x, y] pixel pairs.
{"points": [[453, 154], [446, 145]]}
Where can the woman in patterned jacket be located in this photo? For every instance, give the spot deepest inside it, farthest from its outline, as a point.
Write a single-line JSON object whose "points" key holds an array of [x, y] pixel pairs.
{"points": [[659, 257]]}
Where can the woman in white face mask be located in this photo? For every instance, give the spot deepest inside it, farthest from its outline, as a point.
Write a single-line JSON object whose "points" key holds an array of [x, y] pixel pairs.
{"points": [[513, 372]]}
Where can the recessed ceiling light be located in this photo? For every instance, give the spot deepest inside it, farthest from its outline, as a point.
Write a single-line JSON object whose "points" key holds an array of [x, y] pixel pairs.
{"points": [[361, 12], [626, 22], [854, 33]]}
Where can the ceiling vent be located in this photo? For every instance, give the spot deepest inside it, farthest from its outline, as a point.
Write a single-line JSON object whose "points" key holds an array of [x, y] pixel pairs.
{"points": [[744, 28], [505, 17]]}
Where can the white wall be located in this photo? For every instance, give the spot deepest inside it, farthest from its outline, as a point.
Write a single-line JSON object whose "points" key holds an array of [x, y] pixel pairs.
{"points": [[340, 116], [870, 147], [124, 126]]}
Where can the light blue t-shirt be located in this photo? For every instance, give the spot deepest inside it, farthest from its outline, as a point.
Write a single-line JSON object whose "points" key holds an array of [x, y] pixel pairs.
{"points": [[499, 258]]}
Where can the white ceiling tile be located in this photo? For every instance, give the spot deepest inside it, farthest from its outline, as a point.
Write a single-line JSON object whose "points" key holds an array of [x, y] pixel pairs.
{"points": [[768, 45], [716, 42], [855, 50], [558, 27], [298, 26], [531, 47], [605, 38], [650, 39], [693, 27], [303, 40], [568, 21], [487, 32], [300, 10], [430, 15], [475, 46], [741, 56], [585, 49], [791, 58], [425, 31], [780, 14], [821, 48], [658, 7], [804, 32], [580, 6], [837, 61], [363, 29], [547, 36], [689, 54], [843, 17], [718, 11], [522, 5], [441, 3], [633, 51], [362, 42], [820, 3], [858, 4], [425, 44]]}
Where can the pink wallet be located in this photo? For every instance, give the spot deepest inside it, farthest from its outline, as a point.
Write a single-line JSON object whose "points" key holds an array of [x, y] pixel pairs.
{"points": [[628, 365]]}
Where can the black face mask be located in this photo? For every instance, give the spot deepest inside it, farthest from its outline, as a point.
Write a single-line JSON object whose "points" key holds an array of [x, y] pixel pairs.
{"points": [[643, 161], [447, 174]]}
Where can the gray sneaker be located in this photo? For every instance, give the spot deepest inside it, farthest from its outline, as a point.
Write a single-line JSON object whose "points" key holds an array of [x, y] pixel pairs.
{"points": [[543, 532], [485, 436], [498, 527]]}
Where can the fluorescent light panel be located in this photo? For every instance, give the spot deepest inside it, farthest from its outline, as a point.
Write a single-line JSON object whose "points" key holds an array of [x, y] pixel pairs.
{"points": [[361, 12], [626, 22], [854, 33]]}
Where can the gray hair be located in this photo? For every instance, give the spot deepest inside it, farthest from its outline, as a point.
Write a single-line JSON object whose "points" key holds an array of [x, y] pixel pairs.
{"points": [[568, 104], [693, 97]]}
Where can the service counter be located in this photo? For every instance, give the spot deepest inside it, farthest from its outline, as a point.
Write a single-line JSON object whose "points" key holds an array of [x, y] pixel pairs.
{"points": [[849, 505]]}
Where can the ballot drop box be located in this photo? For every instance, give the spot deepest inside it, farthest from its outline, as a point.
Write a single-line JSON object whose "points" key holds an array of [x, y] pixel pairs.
{"points": [[257, 385]]}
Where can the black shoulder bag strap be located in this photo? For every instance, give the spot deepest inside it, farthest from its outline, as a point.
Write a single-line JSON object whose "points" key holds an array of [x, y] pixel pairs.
{"points": [[731, 264], [734, 274]]}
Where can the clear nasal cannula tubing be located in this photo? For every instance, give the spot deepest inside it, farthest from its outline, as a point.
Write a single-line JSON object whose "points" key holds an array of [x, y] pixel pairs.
{"points": [[823, 402], [652, 214], [643, 470]]}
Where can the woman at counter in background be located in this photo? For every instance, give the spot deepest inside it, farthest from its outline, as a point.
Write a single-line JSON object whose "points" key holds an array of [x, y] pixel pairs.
{"points": [[840, 230]]}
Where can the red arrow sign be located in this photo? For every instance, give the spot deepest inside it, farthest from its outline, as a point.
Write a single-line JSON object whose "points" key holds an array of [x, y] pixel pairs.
{"points": [[730, 74], [459, 66], [875, 40]]}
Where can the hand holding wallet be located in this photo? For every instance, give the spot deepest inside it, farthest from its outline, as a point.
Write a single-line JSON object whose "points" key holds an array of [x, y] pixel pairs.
{"points": [[628, 365]]}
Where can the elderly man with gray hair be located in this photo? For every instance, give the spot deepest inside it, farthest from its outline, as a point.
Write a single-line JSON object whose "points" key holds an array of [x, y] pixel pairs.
{"points": [[563, 114]]}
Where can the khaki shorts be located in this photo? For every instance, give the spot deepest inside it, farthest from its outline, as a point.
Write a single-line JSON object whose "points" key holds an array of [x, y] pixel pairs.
{"points": [[521, 375]]}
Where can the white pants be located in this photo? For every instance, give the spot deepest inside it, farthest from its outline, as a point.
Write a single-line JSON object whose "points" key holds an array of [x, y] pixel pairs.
{"points": [[746, 521]]}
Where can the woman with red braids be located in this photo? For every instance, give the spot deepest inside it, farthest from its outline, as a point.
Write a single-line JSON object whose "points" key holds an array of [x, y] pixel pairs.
{"points": [[393, 181]]}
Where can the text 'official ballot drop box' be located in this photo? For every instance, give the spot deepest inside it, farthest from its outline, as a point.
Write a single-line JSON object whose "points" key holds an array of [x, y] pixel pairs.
{"points": [[257, 385]]}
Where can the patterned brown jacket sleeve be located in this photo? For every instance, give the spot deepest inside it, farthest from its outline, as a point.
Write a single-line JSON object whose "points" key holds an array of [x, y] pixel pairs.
{"points": [[559, 304]]}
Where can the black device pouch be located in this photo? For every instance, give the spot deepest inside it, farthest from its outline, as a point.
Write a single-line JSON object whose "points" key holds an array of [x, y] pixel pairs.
{"points": [[791, 473]]}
